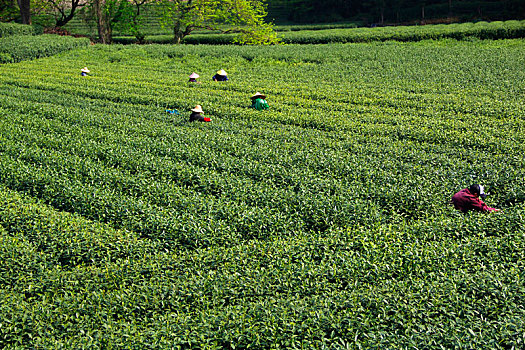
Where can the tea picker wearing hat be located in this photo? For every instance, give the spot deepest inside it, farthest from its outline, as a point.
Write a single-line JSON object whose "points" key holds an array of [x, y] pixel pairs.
{"points": [[196, 115], [469, 199], [84, 71], [193, 78], [259, 102], [220, 76]]}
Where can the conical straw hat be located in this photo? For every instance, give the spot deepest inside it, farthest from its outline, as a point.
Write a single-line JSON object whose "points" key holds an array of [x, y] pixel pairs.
{"points": [[197, 109], [258, 94], [222, 72], [85, 70], [194, 75]]}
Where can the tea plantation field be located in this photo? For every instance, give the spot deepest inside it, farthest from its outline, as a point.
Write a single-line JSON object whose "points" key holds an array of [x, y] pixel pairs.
{"points": [[321, 223]]}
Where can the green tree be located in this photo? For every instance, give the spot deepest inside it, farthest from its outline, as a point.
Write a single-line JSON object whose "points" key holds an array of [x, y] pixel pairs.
{"points": [[136, 24], [8, 10], [245, 17], [25, 11], [109, 15], [376, 10], [62, 10]]}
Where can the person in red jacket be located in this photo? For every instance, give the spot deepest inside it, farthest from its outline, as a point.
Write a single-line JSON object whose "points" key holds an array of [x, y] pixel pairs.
{"points": [[196, 115], [469, 199]]}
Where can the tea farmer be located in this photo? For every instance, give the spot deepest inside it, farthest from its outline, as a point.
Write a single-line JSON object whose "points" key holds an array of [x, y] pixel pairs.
{"points": [[469, 199], [220, 76], [193, 77], [259, 102], [84, 71], [196, 115]]}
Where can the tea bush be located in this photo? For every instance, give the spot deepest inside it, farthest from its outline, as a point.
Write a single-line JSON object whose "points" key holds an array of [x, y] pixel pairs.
{"points": [[9, 29], [462, 31], [24, 47], [479, 30], [323, 222]]}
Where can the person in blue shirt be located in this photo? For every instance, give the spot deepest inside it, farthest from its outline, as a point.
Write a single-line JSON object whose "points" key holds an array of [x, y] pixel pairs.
{"points": [[220, 76], [259, 102], [84, 71]]}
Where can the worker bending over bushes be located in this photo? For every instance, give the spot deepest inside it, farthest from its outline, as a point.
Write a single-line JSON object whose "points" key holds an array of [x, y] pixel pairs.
{"points": [[220, 76], [469, 199], [259, 102], [196, 115]]}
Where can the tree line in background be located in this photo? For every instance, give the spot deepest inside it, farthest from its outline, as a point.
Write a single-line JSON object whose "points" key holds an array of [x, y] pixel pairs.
{"points": [[378, 12], [244, 17], [252, 19]]}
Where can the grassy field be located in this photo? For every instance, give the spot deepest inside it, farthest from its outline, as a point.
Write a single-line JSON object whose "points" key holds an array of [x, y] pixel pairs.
{"points": [[321, 223]]}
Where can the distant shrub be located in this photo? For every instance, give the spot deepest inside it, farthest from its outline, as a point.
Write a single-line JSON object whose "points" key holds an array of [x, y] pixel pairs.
{"points": [[150, 39], [481, 30], [193, 39], [8, 29], [27, 47], [324, 34], [38, 29], [5, 57], [295, 28], [210, 39]]}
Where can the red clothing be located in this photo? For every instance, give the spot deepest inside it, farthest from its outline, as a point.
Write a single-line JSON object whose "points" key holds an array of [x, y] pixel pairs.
{"points": [[465, 201], [194, 116]]}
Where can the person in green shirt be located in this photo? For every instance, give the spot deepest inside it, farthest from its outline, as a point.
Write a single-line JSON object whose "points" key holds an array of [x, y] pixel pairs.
{"points": [[259, 102]]}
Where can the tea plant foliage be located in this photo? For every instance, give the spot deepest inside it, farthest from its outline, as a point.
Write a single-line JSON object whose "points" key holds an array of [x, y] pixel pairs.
{"points": [[320, 35], [26, 47], [8, 29], [323, 222]]}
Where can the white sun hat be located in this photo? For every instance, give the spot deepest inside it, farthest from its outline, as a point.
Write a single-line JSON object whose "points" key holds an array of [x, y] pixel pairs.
{"points": [[258, 94], [482, 193], [85, 70], [197, 109], [222, 72], [194, 75]]}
